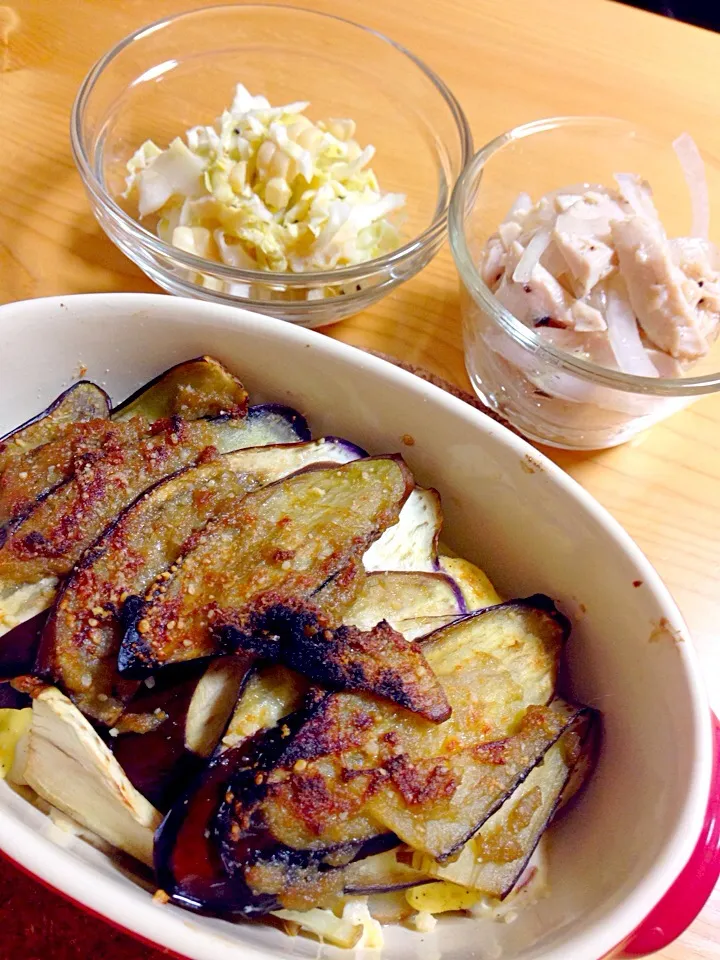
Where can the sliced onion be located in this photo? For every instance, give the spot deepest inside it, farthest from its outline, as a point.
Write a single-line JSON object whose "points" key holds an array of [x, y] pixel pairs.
{"points": [[531, 256], [521, 204], [694, 172], [625, 339]]}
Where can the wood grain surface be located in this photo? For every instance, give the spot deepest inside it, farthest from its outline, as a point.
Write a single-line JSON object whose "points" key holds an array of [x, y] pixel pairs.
{"points": [[508, 61]]}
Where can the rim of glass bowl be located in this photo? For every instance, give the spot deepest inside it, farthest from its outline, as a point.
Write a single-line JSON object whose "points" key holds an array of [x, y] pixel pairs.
{"points": [[201, 265], [464, 194]]}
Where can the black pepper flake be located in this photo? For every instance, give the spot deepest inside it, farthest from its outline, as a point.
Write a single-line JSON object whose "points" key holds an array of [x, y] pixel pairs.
{"points": [[548, 322], [236, 131], [701, 283], [701, 301], [527, 288]]}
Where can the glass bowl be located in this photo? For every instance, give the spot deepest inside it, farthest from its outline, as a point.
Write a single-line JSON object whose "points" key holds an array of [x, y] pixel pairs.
{"points": [[182, 71], [547, 393]]}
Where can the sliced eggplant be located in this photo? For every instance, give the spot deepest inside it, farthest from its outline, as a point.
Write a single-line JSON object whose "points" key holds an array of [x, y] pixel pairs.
{"points": [[196, 389], [149, 741], [412, 543], [280, 543], [70, 767], [526, 636], [213, 703], [270, 694], [19, 647], [29, 478], [496, 857], [273, 419], [51, 539], [81, 641], [475, 588], [382, 873], [12, 699], [413, 603], [81, 402], [379, 660], [322, 783], [361, 774]]}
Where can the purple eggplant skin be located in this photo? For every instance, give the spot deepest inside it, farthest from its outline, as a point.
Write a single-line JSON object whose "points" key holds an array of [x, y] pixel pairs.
{"points": [[357, 452], [85, 401], [296, 421], [19, 647], [157, 763], [11, 699], [189, 862]]}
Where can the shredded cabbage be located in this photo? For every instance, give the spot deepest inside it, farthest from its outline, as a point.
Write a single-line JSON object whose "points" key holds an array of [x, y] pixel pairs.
{"points": [[267, 189]]}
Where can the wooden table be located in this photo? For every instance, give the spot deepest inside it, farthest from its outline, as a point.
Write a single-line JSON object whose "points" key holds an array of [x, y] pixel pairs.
{"points": [[508, 62]]}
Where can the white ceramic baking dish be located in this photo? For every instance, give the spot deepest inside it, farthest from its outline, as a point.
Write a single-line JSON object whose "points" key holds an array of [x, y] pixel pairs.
{"points": [[646, 818]]}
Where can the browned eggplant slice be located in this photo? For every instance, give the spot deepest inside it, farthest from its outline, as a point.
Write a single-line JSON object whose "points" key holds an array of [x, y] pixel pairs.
{"points": [[290, 794], [194, 389], [28, 478], [279, 544], [332, 781], [51, 539], [379, 660], [497, 855], [527, 636], [81, 641], [81, 402]]}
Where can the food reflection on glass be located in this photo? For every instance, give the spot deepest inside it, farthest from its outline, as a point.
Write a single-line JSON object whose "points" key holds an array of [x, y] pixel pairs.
{"points": [[240, 656], [265, 188], [591, 268]]}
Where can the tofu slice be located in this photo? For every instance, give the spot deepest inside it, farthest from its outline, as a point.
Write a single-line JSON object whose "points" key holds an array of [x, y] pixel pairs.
{"points": [[69, 766]]}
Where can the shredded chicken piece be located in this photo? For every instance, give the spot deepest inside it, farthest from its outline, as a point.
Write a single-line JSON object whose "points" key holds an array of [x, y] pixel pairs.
{"points": [[552, 264]]}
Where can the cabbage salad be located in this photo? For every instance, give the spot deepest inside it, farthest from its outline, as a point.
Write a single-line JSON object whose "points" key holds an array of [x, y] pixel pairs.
{"points": [[265, 188]]}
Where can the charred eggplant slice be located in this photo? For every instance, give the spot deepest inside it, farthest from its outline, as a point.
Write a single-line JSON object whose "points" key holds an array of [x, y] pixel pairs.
{"points": [[349, 773], [288, 795], [379, 660], [279, 544], [193, 390], [81, 402], [82, 638]]}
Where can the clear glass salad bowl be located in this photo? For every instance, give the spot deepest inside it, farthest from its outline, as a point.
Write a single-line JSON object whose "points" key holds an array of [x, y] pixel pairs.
{"points": [[182, 71], [549, 394]]}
